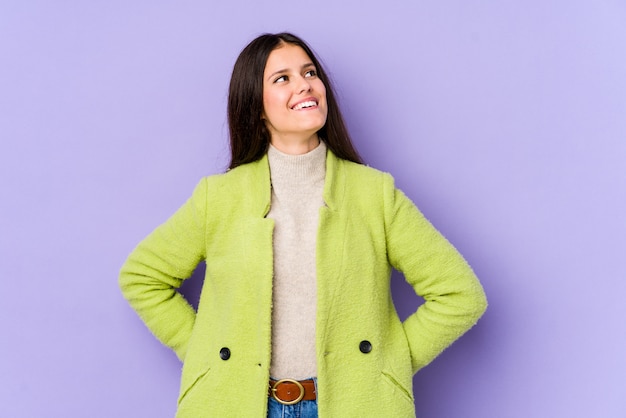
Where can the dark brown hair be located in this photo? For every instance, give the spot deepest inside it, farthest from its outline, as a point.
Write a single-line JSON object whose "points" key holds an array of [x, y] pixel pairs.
{"points": [[249, 138]]}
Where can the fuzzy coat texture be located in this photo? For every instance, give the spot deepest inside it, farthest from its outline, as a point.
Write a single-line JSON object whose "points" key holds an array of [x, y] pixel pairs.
{"points": [[366, 228]]}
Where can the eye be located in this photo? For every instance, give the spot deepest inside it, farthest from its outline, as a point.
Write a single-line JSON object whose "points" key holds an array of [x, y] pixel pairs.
{"points": [[281, 79], [310, 73]]}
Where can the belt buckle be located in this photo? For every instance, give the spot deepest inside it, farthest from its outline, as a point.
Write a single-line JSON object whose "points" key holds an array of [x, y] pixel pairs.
{"points": [[295, 401]]}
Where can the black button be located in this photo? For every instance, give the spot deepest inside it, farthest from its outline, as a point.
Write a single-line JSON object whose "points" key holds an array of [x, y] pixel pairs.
{"points": [[225, 353], [365, 346]]}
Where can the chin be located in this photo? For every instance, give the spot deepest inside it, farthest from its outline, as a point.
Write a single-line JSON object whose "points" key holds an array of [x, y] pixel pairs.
{"points": [[315, 126]]}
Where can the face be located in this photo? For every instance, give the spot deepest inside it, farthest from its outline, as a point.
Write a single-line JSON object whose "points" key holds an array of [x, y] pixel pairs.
{"points": [[294, 98]]}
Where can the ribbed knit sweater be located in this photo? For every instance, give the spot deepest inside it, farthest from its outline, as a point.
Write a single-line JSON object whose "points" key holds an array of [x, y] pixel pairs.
{"points": [[297, 186]]}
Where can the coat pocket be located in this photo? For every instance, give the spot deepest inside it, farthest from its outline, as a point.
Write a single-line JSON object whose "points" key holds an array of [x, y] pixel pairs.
{"points": [[397, 387], [187, 385]]}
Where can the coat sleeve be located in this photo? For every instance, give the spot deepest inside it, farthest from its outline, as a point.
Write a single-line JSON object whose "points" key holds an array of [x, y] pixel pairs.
{"points": [[453, 297], [157, 267]]}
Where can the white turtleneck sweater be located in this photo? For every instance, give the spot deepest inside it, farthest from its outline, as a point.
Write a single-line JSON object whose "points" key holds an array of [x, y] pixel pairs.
{"points": [[297, 186]]}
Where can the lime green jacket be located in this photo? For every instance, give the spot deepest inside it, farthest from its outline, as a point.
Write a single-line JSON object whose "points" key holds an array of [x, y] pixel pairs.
{"points": [[366, 356]]}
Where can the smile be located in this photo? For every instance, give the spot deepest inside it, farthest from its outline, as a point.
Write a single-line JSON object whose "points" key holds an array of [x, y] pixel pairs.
{"points": [[305, 105]]}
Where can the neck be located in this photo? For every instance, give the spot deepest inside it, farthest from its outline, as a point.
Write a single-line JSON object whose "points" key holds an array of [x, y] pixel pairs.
{"points": [[295, 146]]}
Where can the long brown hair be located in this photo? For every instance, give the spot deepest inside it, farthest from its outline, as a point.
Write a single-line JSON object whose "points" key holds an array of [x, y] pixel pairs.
{"points": [[249, 137]]}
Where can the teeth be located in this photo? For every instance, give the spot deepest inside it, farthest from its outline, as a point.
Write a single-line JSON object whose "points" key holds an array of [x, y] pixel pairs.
{"points": [[304, 105]]}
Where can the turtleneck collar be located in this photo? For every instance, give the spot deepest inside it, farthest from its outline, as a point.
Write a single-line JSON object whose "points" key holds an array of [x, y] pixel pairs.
{"points": [[297, 170]]}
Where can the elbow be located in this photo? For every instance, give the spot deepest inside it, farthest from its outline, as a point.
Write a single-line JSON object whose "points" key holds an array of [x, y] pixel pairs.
{"points": [[128, 280], [478, 303]]}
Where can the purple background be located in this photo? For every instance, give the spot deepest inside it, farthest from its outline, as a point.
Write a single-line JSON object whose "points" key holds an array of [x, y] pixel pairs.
{"points": [[504, 121]]}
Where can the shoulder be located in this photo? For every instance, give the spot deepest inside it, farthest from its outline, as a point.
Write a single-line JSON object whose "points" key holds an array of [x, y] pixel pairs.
{"points": [[361, 188], [244, 189], [362, 176], [240, 177]]}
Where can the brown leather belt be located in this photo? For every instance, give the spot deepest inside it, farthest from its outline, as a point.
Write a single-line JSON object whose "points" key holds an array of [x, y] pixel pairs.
{"points": [[290, 392]]}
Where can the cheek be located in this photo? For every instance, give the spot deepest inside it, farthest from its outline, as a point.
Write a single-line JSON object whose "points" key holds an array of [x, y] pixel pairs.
{"points": [[273, 102], [322, 89]]}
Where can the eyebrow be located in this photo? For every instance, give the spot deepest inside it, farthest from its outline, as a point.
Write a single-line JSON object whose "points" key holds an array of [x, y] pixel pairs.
{"points": [[284, 70]]}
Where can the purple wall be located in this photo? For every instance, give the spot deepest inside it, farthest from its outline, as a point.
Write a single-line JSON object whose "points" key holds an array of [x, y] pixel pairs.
{"points": [[504, 121]]}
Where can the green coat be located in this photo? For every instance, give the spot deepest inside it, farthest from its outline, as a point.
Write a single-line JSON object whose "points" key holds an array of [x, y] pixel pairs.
{"points": [[366, 227]]}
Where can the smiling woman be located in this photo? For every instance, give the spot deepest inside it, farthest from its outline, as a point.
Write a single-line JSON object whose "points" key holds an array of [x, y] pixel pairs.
{"points": [[249, 132], [299, 239], [294, 100]]}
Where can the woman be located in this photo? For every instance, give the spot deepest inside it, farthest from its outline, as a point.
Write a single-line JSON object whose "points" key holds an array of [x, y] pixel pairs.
{"points": [[299, 239]]}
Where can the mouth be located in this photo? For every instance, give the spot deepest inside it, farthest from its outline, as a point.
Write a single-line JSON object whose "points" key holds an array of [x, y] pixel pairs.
{"points": [[307, 104]]}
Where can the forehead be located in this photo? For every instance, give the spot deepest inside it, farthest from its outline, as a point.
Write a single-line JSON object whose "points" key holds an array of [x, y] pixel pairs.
{"points": [[286, 56]]}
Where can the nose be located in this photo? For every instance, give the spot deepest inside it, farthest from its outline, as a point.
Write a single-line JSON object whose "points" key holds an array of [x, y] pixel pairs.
{"points": [[304, 85]]}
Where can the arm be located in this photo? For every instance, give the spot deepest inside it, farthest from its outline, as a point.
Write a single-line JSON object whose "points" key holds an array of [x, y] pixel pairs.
{"points": [[158, 265], [454, 298]]}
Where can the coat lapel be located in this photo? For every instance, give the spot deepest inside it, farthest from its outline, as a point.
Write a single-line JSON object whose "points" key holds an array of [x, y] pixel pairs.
{"points": [[257, 183], [258, 256], [330, 243]]}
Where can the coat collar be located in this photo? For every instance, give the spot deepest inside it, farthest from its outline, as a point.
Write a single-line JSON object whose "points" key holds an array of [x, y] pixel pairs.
{"points": [[257, 177], [335, 183]]}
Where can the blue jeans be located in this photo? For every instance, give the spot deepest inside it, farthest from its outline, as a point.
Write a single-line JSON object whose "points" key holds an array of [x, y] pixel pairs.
{"points": [[303, 409]]}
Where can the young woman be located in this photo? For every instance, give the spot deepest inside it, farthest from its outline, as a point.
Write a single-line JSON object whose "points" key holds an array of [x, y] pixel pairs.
{"points": [[299, 238]]}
